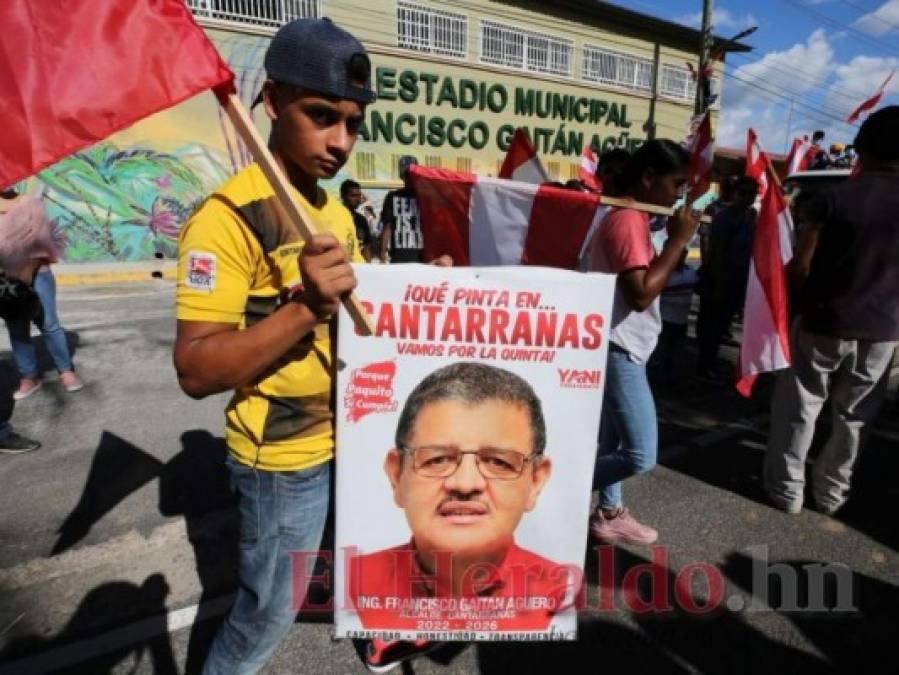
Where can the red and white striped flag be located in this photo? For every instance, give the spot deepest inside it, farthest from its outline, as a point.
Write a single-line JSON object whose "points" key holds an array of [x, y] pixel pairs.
{"points": [[872, 102], [587, 172], [766, 334], [521, 162], [801, 155], [756, 162], [702, 154], [490, 221]]}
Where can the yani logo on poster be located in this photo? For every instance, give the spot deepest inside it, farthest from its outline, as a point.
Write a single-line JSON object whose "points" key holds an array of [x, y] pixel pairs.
{"points": [[579, 379]]}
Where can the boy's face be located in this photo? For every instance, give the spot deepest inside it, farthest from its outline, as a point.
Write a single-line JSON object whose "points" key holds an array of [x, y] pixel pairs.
{"points": [[314, 132]]}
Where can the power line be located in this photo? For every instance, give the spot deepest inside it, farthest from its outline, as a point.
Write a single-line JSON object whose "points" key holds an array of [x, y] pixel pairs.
{"points": [[834, 23]]}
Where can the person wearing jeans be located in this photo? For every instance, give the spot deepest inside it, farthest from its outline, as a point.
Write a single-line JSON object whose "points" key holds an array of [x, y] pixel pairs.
{"points": [[622, 245], [12, 443], [54, 336]]}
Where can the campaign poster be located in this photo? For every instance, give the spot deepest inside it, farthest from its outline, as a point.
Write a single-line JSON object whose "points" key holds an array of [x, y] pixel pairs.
{"points": [[466, 439]]}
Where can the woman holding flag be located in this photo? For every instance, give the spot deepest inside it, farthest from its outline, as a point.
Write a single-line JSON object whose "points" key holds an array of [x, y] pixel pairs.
{"points": [[628, 438]]}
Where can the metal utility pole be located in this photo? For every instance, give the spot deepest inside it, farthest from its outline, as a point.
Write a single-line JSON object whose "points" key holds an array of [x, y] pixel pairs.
{"points": [[704, 54]]}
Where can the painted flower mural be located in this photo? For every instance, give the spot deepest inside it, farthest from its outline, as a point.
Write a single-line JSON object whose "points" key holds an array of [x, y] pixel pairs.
{"points": [[112, 204]]}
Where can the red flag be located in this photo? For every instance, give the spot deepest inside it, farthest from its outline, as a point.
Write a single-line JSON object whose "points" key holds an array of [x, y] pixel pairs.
{"points": [[756, 162], [587, 172], [872, 102], [801, 155], [702, 153], [73, 72], [491, 221], [766, 343], [521, 162]]}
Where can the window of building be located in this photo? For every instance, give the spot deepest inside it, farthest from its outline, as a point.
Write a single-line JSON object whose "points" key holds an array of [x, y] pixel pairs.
{"points": [[463, 164], [622, 70], [272, 13], [395, 166], [677, 83], [516, 48], [435, 31], [433, 161], [365, 165], [554, 170], [574, 171]]}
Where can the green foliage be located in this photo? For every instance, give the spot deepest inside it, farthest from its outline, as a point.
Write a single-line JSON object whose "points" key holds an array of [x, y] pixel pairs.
{"points": [[126, 205]]}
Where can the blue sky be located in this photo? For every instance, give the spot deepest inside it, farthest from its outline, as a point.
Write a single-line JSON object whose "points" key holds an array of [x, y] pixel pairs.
{"points": [[825, 55]]}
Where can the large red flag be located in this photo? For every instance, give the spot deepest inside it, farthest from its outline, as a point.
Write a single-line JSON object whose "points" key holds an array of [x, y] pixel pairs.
{"points": [[766, 340], [72, 72], [702, 155], [872, 102], [756, 162], [521, 162]]}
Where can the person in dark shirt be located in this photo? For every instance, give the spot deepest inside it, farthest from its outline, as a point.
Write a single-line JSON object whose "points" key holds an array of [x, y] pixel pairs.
{"points": [[725, 270], [401, 238], [846, 270], [352, 198]]}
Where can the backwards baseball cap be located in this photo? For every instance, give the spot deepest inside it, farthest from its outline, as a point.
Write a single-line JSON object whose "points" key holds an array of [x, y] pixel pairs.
{"points": [[405, 162], [315, 54]]}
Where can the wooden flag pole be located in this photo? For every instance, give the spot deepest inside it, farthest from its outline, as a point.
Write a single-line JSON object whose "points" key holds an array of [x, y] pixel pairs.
{"points": [[642, 206], [295, 211]]}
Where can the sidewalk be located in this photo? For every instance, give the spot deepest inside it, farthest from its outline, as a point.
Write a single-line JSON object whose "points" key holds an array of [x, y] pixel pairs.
{"points": [[74, 274]]}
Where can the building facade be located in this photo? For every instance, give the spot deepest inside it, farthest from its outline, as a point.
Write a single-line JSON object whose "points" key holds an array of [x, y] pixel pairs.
{"points": [[453, 81]]}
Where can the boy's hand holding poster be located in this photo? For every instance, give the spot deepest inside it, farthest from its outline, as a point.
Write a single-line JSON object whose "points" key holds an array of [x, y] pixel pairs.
{"points": [[466, 439]]}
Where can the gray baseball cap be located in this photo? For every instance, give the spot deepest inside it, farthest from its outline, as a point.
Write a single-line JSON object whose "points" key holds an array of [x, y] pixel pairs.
{"points": [[315, 54]]}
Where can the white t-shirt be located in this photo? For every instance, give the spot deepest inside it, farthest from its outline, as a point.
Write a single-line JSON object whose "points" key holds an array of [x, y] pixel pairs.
{"points": [[622, 243]]}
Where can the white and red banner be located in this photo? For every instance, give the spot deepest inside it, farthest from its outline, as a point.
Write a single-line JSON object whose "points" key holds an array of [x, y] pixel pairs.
{"points": [[766, 331], [484, 221], [756, 162], [872, 102], [521, 162], [702, 155], [587, 170], [466, 439], [802, 153]]}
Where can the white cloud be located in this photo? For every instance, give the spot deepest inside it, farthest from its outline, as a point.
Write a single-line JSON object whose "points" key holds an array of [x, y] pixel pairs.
{"points": [[859, 79], [722, 19], [882, 20], [758, 96], [798, 70]]}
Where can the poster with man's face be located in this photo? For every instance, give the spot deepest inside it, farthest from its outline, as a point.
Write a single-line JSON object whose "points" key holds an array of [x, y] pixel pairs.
{"points": [[466, 439]]}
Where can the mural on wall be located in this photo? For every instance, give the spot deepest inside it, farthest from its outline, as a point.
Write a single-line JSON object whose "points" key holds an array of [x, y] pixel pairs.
{"points": [[107, 203], [125, 199]]}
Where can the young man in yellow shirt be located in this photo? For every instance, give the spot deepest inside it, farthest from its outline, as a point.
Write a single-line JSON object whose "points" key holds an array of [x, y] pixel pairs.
{"points": [[254, 315]]}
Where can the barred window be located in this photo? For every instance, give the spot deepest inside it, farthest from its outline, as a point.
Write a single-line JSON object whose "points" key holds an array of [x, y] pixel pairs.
{"points": [[677, 83], [365, 165], [395, 166], [435, 31], [433, 161], [525, 50], [623, 70], [463, 164], [554, 170], [574, 171], [272, 13]]}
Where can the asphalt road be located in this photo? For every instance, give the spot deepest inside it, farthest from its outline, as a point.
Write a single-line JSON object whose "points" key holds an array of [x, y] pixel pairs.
{"points": [[117, 538]]}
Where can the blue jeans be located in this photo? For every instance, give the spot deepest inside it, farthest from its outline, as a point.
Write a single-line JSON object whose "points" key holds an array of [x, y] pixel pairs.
{"points": [[5, 430], [54, 336], [628, 431], [280, 512]]}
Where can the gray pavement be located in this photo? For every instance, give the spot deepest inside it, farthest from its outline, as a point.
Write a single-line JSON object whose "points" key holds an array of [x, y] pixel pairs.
{"points": [[117, 529]]}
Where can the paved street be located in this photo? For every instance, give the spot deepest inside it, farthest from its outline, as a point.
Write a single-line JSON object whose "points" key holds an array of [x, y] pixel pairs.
{"points": [[117, 538]]}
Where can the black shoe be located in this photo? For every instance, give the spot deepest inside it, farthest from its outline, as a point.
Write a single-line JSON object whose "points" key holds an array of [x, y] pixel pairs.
{"points": [[14, 444]]}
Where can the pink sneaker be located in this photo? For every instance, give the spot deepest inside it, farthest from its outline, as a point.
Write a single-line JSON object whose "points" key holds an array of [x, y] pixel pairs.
{"points": [[71, 382], [622, 529], [382, 656], [27, 386]]}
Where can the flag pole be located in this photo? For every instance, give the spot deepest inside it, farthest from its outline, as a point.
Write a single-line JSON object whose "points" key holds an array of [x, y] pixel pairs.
{"points": [[295, 211]]}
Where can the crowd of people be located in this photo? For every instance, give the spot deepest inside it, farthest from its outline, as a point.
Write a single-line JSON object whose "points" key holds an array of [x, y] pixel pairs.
{"points": [[236, 252]]}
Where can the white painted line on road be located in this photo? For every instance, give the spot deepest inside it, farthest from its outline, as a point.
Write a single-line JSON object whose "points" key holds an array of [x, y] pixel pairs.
{"points": [[118, 639]]}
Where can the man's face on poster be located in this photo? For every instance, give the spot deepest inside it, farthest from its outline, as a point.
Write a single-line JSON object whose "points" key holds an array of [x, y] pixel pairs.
{"points": [[467, 512]]}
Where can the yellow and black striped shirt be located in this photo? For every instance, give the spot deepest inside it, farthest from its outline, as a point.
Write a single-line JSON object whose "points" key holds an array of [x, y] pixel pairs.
{"points": [[237, 257]]}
